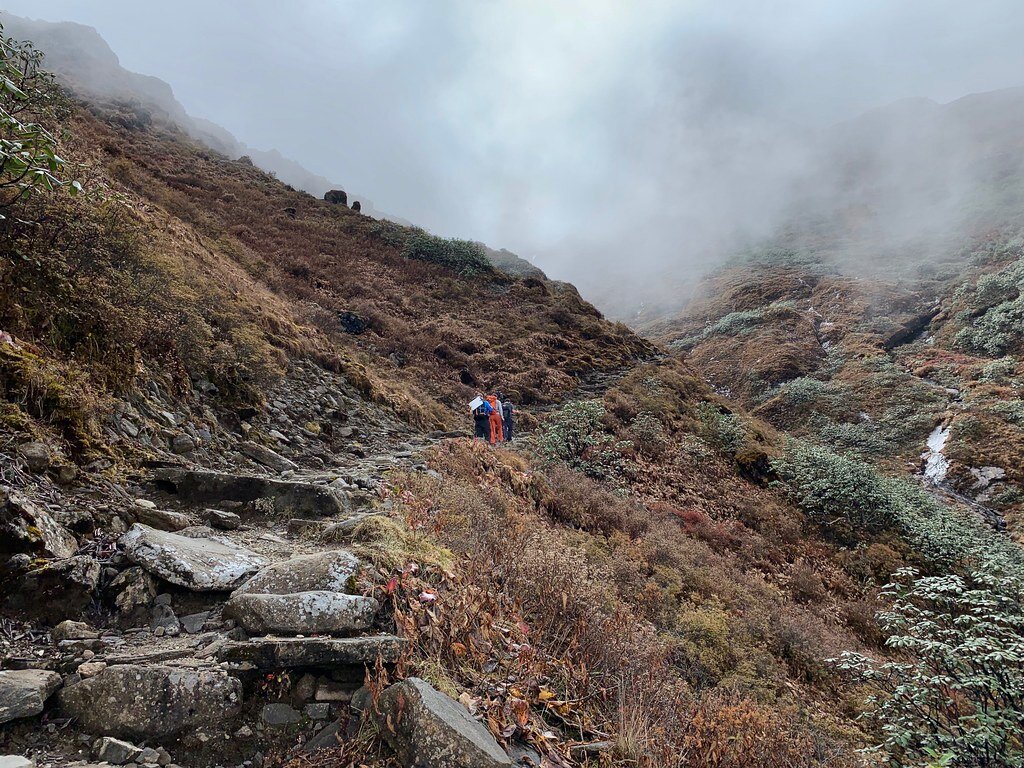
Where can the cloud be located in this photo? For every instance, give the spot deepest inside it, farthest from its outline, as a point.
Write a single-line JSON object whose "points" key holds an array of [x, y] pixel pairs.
{"points": [[607, 140]]}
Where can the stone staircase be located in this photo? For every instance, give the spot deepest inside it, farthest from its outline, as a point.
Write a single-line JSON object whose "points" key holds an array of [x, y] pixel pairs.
{"points": [[257, 624]]}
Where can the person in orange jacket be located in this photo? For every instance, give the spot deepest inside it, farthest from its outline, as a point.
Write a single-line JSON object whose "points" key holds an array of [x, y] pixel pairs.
{"points": [[495, 418]]}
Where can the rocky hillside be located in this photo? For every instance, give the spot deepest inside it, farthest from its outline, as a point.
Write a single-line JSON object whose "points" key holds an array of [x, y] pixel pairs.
{"points": [[880, 368], [243, 523]]}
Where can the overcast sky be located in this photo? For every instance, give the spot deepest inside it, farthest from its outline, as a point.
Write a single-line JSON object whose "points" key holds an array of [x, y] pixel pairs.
{"points": [[549, 125]]}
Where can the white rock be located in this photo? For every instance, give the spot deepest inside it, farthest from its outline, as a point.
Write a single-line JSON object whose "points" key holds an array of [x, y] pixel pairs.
{"points": [[200, 564]]}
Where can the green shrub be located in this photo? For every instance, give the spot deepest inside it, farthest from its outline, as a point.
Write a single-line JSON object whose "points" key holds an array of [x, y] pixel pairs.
{"points": [[955, 695], [575, 436], [805, 391], [462, 256], [1000, 371], [724, 431], [648, 434], [831, 488]]}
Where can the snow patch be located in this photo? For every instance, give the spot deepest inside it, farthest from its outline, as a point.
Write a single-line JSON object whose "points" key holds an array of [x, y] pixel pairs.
{"points": [[936, 465]]}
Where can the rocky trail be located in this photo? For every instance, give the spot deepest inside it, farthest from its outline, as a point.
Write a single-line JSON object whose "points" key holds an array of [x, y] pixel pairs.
{"points": [[209, 610]]}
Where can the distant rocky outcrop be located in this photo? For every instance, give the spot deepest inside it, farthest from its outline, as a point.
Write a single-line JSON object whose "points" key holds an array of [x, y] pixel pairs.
{"points": [[336, 196]]}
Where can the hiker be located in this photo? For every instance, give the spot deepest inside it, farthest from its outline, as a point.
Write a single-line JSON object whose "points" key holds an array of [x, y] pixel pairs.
{"points": [[495, 419], [506, 416], [482, 419]]}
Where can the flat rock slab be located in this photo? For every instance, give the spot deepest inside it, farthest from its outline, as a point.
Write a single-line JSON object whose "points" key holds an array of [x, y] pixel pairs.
{"points": [[326, 571], [302, 613], [142, 702], [289, 496], [268, 458], [428, 729], [290, 652], [208, 564], [23, 692]]}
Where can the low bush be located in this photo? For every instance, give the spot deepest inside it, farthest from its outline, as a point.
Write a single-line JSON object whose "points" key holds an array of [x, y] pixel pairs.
{"points": [[833, 490], [464, 257], [723, 430], [575, 435]]}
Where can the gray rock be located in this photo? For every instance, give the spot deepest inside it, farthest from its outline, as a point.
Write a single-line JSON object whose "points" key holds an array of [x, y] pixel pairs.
{"points": [[308, 613], [161, 519], [205, 486], [148, 702], [73, 630], [289, 652], [321, 711], [326, 738], [148, 756], [162, 617], [222, 519], [16, 761], [114, 751], [278, 714], [135, 589], [202, 565], [28, 527], [268, 458], [60, 589], [428, 729], [183, 445], [323, 571], [23, 692], [35, 455], [193, 623], [329, 690]]}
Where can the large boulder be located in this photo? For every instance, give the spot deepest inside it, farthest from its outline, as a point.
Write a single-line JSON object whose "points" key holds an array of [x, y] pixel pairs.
{"points": [[204, 486], [302, 613], [131, 701], [323, 571], [208, 564], [429, 730], [336, 197], [28, 528], [23, 692]]}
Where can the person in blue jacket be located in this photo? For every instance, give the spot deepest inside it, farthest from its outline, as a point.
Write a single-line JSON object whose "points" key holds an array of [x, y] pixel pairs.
{"points": [[482, 419]]}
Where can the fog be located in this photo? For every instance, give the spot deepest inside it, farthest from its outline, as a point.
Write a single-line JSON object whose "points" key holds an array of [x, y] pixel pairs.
{"points": [[623, 146]]}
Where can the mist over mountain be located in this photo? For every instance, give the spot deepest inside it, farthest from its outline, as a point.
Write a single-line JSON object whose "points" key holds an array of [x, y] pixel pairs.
{"points": [[621, 148], [84, 61]]}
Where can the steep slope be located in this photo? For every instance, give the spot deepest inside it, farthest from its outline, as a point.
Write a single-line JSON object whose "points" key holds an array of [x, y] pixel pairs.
{"points": [[221, 447]]}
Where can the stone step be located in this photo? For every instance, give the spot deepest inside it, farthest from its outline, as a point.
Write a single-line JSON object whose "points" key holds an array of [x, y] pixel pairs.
{"points": [[302, 613], [204, 486], [288, 652], [204, 564], [136, 701], [323, 571]]}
